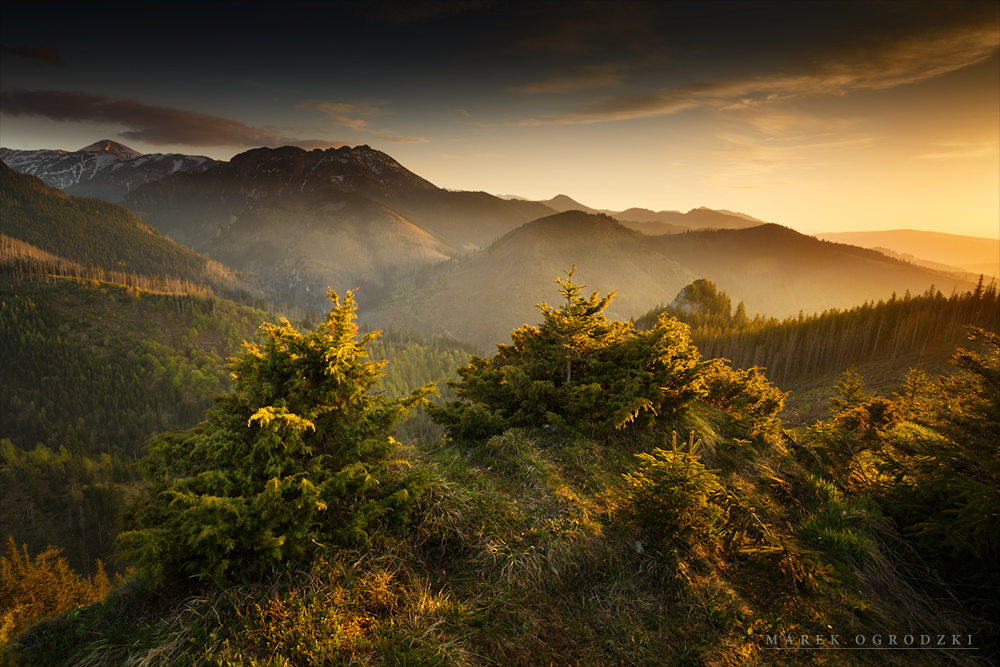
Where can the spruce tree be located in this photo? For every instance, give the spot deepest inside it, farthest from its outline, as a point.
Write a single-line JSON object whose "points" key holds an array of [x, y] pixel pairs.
{"points": [[292, 462], [577, 372]]}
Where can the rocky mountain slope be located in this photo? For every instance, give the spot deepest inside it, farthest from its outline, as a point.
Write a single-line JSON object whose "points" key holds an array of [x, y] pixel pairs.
{"points": [[192, 207], [105, 170]]}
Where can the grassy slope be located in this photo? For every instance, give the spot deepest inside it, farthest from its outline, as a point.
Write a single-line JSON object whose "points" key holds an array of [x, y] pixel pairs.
{"points": [[522, 554]]}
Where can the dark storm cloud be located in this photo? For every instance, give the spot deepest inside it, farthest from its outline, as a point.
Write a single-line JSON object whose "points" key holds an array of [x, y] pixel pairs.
{"points": [[155, 125], [43, 53]]}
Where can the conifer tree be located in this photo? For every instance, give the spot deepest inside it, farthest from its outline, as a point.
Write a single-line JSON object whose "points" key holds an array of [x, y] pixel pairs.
{"points": [[945, 492], [577, 372], [294, 460]]}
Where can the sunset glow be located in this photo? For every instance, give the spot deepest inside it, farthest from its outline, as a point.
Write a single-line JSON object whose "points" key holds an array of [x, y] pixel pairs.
{"points": [[823, 118]]}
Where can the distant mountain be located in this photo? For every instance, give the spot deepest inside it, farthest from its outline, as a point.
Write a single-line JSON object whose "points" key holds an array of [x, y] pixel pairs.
{"points": [[105, 170], [305, 243], [561, 203], [96, 233], [952, 252], [193, 207], [778, 272], [482, 297], [655, 223], [113, 148]]}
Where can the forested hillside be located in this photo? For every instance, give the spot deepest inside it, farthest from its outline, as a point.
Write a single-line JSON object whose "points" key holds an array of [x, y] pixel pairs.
{"points": [[915, 330], [605, 523], [778, 272], [90, 231], [93, 369]]}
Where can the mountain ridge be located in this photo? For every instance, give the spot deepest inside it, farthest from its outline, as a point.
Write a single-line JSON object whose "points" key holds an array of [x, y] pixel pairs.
{"points": [[779, 272], [958, 252], [501, 285], [192, 207], [105, 169]]}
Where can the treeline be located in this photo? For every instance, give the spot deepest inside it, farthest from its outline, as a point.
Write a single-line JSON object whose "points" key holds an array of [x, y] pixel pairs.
{"points": [[95, 232], [21, 262], [51, 233], [911, 328]]}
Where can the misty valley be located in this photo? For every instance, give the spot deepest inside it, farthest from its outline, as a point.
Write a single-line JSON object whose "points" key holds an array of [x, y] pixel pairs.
{"points": [[306, 407]]}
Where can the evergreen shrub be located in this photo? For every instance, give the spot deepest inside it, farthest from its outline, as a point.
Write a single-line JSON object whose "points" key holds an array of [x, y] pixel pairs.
{"points": [[577, 372], [34, 588], [751, 402], [672, 496], [293, 461]]}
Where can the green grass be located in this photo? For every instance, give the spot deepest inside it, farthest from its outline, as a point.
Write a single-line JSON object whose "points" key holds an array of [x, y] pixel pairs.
{"points": [[522, 553]]}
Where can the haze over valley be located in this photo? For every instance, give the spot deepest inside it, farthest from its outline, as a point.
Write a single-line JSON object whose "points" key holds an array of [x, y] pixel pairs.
{"points": [[473, 265]]}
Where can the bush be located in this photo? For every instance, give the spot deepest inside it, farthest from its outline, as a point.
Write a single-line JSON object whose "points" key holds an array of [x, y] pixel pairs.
{"points": [[751, 402], [671, 496], [576, 372], [945, 488], [293, 461], [32, 589]]}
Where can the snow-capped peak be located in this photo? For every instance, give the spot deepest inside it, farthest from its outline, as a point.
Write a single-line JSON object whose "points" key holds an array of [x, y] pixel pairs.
{"points": [[108, 147]]}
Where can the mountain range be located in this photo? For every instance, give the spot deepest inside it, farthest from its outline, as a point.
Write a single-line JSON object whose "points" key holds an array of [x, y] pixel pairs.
{"points": [[659, 222], [775, 271], [935, 250], [193, 206], [466, 264], [105, 170], [483, 296]]}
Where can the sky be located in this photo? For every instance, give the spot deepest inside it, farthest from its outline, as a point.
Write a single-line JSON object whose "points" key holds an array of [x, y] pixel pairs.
{"points": [[823, 117]]}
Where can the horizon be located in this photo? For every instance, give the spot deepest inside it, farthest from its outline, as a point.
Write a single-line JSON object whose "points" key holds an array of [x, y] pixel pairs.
{"points": [[842, 117]]}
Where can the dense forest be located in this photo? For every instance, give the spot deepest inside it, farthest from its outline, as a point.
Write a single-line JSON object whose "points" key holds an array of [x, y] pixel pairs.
{"points": [[46, 232], [912, 329]]}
